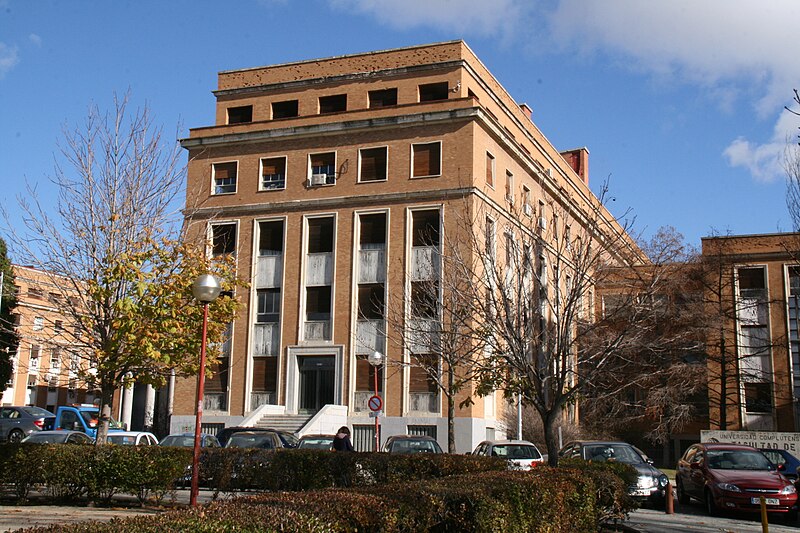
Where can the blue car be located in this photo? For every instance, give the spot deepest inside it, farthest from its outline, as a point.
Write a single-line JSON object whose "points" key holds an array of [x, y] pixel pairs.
{"points": [[786, 462]]}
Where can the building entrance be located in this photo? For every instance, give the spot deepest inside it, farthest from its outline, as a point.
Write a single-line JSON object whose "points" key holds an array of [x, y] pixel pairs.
{"points": [[317, 374]]}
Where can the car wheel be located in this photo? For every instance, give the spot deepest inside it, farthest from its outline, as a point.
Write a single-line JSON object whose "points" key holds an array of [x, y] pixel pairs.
{"points": [[711, 507], [16, 435], [683, 498]]}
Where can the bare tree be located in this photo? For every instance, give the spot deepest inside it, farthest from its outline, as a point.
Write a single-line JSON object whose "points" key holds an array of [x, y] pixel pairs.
{"points": [[113, 252], [791, 165]]}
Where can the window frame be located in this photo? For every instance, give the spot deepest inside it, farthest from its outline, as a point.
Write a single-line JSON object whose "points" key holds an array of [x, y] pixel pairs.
{"points": [[261, 182], [491, 169], [381, 91], [272, 109], [509, 187], [411, 174], [215, 186], [210, 234], [236, 109], [329, 98], [386, 165], [432, 89], [328, 176]]}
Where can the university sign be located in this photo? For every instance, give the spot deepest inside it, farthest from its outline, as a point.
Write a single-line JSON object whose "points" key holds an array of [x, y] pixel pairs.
{"points": [[756, 439]]}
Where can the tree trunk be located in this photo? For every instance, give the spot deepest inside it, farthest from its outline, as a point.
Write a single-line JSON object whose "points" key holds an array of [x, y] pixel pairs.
{"points": [[551, 434], [451, 413], [106, 400]]}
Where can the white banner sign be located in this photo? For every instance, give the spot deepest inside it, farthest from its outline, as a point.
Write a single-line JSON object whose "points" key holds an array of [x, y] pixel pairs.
{"points": [[756, 439]]}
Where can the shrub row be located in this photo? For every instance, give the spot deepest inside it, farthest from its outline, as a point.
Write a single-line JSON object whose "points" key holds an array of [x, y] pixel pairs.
{"points": [[545, 499]]}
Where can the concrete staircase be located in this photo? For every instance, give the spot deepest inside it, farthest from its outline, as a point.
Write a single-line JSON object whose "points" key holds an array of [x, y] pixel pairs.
{"points": [[290, 423]]}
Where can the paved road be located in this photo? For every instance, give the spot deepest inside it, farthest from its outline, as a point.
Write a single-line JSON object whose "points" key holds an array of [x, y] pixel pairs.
{"points": [[692, 518]]}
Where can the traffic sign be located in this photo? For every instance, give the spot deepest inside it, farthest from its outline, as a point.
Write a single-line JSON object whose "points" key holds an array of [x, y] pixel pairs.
{"points": [[375, 403]]}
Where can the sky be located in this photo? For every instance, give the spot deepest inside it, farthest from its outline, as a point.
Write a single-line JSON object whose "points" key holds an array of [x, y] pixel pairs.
{"points": [[680, 102]]}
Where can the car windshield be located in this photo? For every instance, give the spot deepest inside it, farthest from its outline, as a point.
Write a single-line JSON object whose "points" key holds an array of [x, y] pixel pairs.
{"points": [[415, 446], [516, 451], [183, 441], [36, 411], [737, 460], [245, 440], [319, 443], [613, 452]]}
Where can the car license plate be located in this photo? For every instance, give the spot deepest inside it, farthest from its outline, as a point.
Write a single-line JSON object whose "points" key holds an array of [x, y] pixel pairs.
{"points": [[769, 501]]}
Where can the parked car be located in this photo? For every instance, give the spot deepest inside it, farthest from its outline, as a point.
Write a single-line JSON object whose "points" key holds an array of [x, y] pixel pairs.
{"points": [[287, 439], [267, 440], [82, 417], [58, 436], [411, 444], [17, 422], [733, 477], [316, 442], [186, 440], [651, 484], [132, 438], [521, 454], [786, 462]]}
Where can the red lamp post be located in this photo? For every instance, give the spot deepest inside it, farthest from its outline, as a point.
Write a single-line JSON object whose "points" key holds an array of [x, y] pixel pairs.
{"points": [[205, 289], [376, 360]]}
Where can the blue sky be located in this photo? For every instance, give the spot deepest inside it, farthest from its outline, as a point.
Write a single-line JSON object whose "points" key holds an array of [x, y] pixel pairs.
{"points": [[679, 102]]}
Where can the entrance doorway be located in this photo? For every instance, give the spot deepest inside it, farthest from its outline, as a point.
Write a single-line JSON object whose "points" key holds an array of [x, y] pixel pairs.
{"points": [[317, 374]]}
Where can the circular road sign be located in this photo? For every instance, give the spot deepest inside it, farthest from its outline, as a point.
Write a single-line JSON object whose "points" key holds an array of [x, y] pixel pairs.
{"points": [[375, 403]]}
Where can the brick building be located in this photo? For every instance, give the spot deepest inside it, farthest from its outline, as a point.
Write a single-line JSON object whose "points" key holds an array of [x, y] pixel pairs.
{"points": [[334, 182]]}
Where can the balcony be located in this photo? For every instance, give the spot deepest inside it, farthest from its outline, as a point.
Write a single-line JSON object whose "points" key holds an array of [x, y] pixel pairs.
{"points": [[360, 401], [372, 265], [423, 335], [266, 339], [215, 401], [423, 402], [317, 330], [319, 269], [752, 311], [269, 271], [370, 336], [259, 398], [424, 263]]}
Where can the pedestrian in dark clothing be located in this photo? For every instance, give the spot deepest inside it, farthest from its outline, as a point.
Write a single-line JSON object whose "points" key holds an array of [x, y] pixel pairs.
{"points": [[341, 442]]}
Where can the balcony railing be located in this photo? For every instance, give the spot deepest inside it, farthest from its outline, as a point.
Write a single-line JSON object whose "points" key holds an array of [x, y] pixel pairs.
{"points": [[372, 265], [423, 402], [215, 401], [424, 263], [266, 339], [360, 401], [317, 330], [370, 336], [424, 335], [319, 269], [257, 399], [269, 270]]}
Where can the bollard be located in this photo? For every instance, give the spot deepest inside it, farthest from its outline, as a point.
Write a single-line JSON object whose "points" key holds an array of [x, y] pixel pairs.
{"points": [[669, 503], [764, 522]]}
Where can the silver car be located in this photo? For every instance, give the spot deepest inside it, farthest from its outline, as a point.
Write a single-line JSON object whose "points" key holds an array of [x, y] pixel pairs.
{"points": [[17, 422]]}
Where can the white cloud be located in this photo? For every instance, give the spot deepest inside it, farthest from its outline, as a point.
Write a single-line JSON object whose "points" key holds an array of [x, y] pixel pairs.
{"points": [[464, 17], [765, 161], [8, 58], [35, 39]]}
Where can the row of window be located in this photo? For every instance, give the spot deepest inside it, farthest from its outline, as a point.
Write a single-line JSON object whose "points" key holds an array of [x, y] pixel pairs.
{"points": [[337, 103], [373, 165]]}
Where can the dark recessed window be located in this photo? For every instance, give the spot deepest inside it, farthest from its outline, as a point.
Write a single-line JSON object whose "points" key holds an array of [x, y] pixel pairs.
{"points": [[373, 164], [433, 91], [285, 109], [383, 98], [758, 397], [320, 235], [333, 104], [223, 237], [426, 159], [238, 115]]}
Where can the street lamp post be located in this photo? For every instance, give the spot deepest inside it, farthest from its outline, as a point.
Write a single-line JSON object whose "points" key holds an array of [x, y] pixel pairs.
{"points": [[205, 288], [376, 360]]}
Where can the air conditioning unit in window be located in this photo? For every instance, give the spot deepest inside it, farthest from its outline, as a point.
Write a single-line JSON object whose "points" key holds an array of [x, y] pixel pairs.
{"points": [[317, 180], [527, 209], [543, 223]]}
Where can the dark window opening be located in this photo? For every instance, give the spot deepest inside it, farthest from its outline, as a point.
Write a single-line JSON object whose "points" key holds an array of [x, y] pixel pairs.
{"points": [[265, 374], [320, 235], [383, 98], [751, 282], [270, 238], [425, 227], [473, 95], [273, 173], [365, 375], [285, 109], [373, 229], [420, 379], [371, 301], [373, 164], [223, 239], [238, 115], [269, 305], [318, 303], [758, 397], [427, 159], [433, 91], [332, 104], [424, 299]]}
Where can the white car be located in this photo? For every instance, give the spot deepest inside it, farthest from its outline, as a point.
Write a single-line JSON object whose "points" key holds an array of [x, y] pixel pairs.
{"points": [[132, 438], [521, 454]]}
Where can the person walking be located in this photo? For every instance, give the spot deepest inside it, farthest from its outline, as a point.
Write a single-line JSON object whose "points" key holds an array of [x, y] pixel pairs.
{"points": [[341, 442]]}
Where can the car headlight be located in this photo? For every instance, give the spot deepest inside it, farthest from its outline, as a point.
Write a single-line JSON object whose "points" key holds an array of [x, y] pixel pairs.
{"points": [[645, 482], [663, 480], [788, 489], [730, 487]]}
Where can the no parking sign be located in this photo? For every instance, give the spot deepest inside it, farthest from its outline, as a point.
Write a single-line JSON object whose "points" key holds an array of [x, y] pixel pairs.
{"points": [[375, 403]]}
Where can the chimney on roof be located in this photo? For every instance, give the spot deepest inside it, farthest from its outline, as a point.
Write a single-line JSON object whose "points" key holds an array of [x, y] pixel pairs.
{"points": [[578, 159], [526, 109]]}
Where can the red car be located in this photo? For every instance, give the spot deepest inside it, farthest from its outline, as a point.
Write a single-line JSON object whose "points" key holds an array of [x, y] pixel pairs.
{"points": [[731, 477]]}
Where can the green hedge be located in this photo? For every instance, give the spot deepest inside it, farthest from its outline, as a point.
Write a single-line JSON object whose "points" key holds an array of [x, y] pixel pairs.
{"points": [[546, 499]]}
